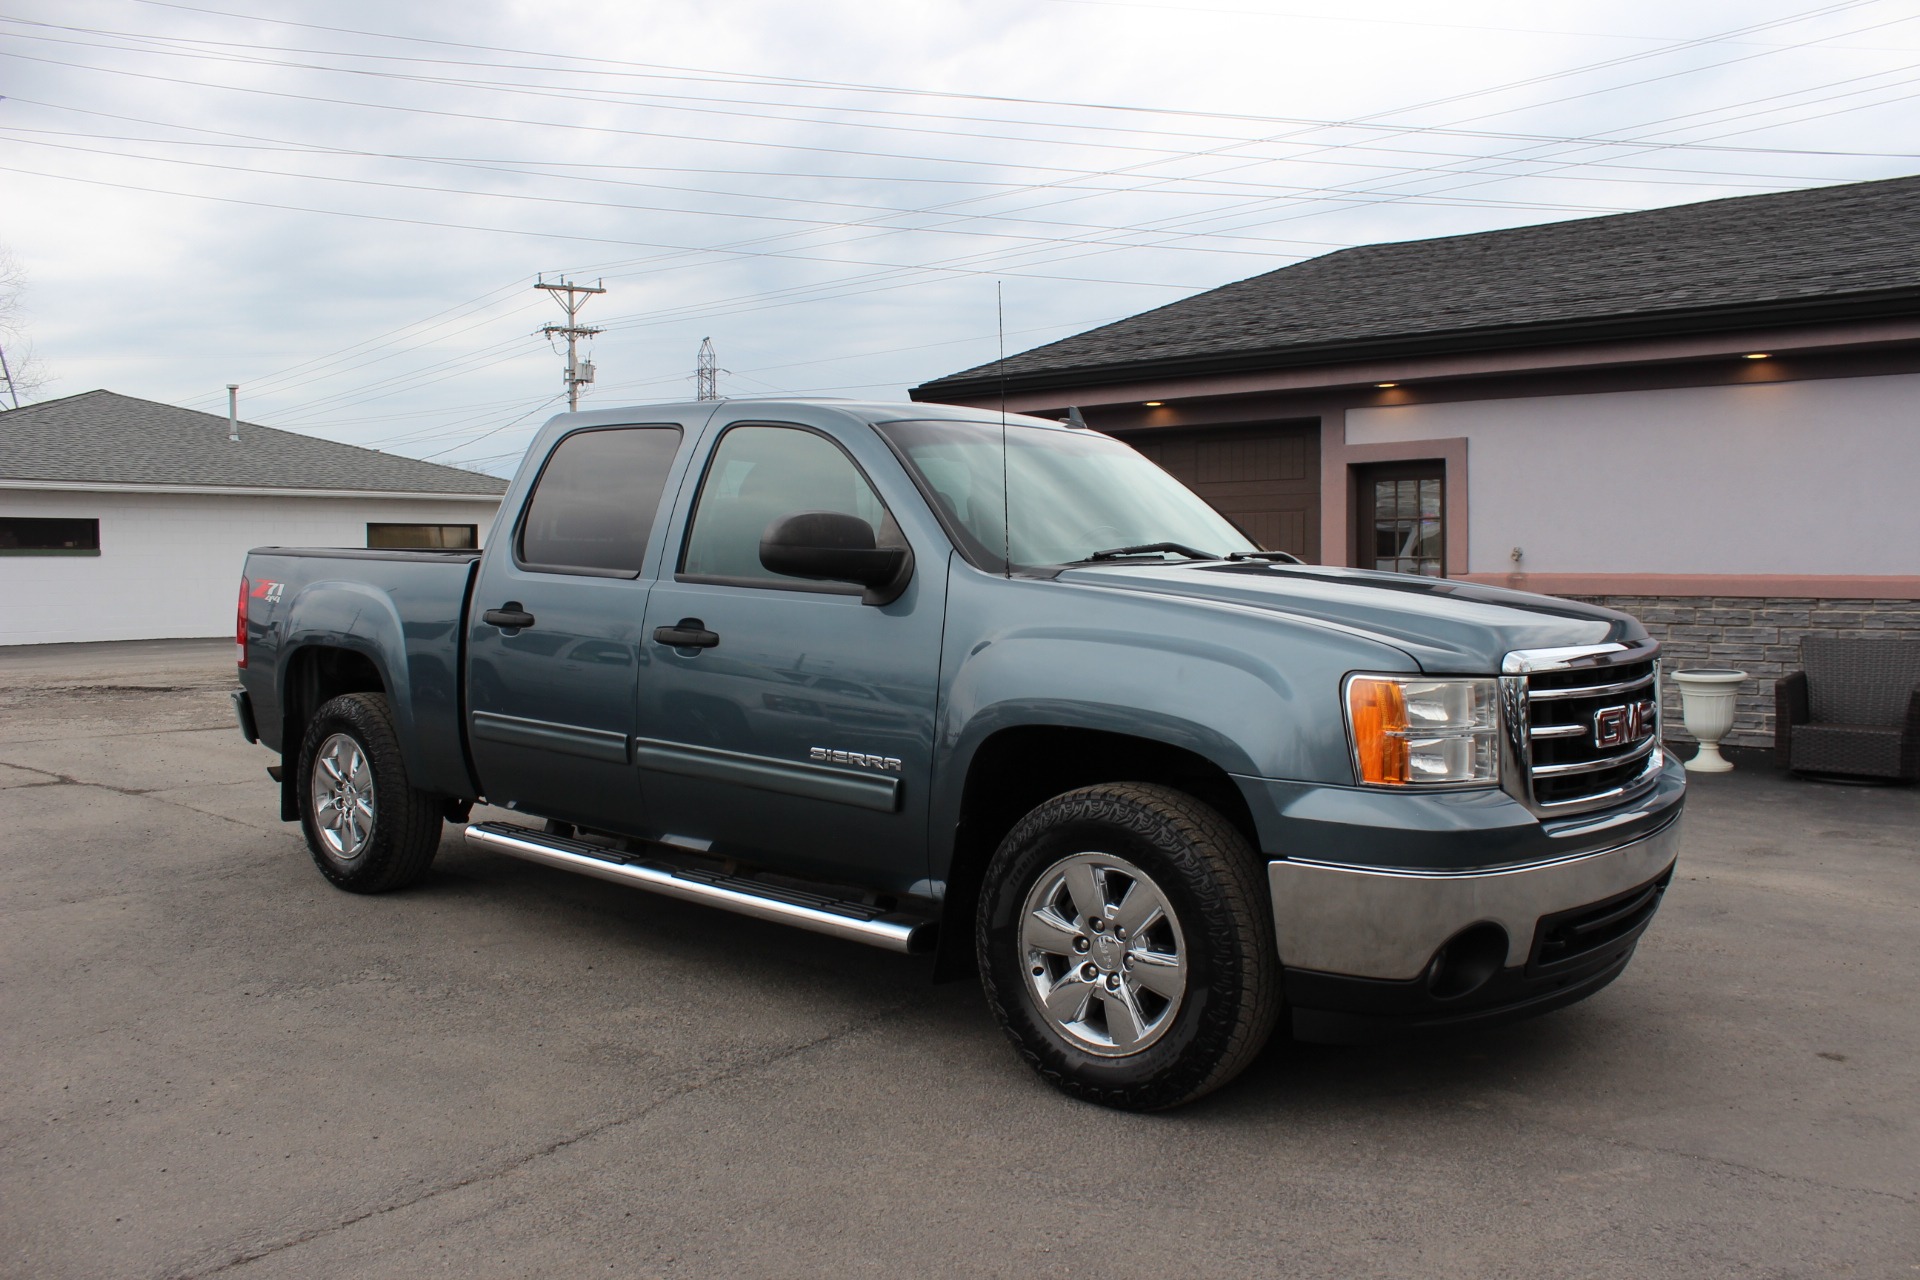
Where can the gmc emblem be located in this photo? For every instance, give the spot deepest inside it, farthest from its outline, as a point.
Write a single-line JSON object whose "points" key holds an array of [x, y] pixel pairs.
{"points": [[1624, 726]]}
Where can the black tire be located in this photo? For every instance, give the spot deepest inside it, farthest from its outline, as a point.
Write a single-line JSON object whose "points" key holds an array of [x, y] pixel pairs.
{"points": [[1210, 884], [404, 828]]}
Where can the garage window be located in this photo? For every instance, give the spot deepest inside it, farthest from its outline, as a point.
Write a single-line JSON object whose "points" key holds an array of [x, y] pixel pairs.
{"points": [[39, 536], [447, 536]]}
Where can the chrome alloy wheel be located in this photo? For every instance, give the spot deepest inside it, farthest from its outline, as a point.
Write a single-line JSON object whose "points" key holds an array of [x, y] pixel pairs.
{"points": [[343, 799], [1105, 962]]}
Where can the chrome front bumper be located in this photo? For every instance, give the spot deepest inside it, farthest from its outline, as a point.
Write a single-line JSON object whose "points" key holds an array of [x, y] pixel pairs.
{"points": [[1370, 922]]}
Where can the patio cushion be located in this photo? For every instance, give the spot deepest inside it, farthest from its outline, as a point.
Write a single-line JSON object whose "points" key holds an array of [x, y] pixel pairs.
{"points": [[1867, 749]]}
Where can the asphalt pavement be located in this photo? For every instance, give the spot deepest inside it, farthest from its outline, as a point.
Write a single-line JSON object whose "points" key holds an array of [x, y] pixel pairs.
{"points": [[216, 1064]]}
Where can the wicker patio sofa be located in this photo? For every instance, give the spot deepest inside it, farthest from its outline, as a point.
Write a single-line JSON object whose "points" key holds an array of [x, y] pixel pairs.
{"points": [[1852, 709]]}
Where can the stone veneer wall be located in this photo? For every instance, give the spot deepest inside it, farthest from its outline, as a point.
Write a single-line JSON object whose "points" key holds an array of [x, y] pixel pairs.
{"points": [[1759, 636]]}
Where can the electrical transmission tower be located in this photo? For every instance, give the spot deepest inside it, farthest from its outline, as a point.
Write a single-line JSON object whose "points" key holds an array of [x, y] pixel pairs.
{"points": [[579, 372], [706, 374]]}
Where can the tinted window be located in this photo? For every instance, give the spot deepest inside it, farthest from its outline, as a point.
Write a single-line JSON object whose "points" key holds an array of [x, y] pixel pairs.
{"points": [[761, 474], [596, 499], [49, 536], [457, 536]]}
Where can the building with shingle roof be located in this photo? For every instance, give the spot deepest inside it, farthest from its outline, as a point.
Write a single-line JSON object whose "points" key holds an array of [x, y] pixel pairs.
{"points": [[1794, 258], [100, 437], [123, 518], [1708, 414]]}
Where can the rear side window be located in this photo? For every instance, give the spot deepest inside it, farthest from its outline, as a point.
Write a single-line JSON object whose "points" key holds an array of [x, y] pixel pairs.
{"points": [[594, 503]]}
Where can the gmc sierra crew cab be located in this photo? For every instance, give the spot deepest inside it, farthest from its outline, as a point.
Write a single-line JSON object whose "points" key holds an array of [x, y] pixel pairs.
{"points": [[997, 687]]}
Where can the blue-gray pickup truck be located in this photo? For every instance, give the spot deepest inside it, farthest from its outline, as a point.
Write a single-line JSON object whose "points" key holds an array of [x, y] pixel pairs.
{"points": [[936, 679]]}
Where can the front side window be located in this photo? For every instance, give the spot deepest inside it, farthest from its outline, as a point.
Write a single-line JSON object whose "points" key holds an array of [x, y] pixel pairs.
{"points": [[595, 501], [1051, 496], [760, 475]]}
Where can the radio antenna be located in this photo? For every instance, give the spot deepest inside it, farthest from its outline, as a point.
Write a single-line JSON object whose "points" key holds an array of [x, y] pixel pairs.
{"points": [[1006, 494]]}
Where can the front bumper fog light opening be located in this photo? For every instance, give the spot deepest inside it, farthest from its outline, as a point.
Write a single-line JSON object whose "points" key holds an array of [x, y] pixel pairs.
{"points": [[1465, 961]]}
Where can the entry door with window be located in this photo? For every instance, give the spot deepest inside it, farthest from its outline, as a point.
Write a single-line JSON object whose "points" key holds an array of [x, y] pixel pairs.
{"points": [[554, 640], [782, 720], [1400, 518]]}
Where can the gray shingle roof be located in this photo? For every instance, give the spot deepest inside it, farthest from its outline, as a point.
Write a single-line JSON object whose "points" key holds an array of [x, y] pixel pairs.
{"points": [[1782, 258], [102, 437]]}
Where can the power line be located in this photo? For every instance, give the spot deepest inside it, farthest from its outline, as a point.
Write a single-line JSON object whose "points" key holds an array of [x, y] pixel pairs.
{"points": [[666, 71], [165, 45], [880, 271], [497, 430]]}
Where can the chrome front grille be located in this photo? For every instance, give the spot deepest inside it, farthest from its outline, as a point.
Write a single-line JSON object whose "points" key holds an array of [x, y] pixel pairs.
{"points": [[1583, 725]]}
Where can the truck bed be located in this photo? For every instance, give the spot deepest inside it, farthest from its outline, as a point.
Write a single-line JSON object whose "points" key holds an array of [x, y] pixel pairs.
{"points": [[402, 610]]}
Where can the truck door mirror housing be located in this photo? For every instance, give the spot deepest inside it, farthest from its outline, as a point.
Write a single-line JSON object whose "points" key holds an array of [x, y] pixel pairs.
{"points": [[829, 546]]}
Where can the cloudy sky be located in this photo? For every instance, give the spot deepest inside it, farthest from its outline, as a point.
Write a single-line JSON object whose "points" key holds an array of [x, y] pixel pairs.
{"points": [[344, 206]]}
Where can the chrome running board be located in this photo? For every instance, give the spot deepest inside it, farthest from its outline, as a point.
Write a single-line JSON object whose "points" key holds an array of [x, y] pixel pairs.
{"points": [[854, 921]]}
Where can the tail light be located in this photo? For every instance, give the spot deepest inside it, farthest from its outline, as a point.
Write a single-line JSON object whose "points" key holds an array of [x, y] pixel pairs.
{"points": [[240, 622]]}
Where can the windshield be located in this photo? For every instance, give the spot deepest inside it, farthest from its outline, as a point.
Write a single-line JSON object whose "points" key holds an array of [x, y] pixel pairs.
{"points": [[1073, 493]]}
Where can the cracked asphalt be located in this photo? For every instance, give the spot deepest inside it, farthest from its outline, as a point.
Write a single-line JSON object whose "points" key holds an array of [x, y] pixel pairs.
{"points": [[215, 1064]]}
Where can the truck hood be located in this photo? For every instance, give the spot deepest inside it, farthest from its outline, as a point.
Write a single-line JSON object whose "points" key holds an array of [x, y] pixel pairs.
{"points": [[1445, 626]]}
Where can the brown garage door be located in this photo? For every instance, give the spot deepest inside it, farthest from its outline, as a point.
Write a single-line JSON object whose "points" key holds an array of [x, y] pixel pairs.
{"points": [[1265, 479]]}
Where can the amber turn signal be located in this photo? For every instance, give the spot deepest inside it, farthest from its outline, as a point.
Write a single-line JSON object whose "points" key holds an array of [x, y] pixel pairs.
{"points": [[1377, 709]]}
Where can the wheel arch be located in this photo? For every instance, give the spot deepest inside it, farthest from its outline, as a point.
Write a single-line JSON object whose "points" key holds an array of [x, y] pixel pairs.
{"points": [[312, 675], [1013, 769]]}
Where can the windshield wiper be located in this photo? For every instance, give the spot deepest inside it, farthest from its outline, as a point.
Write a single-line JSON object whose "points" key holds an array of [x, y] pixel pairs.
{"points": [[1151, 548], [1284, 557]]}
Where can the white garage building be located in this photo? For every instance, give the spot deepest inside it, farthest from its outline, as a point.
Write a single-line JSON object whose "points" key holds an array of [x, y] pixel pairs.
{"points": [[125, 519]]}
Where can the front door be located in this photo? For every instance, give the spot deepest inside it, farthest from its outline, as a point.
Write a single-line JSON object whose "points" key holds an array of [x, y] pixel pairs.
{"points": [[797, 732], [554, 640]]}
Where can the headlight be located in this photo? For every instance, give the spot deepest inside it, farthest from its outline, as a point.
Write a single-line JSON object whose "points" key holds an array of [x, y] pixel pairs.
{"points": [[1412, 731]]}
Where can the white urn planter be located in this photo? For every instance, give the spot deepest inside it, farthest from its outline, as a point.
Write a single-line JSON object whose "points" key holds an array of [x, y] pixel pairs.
{"points": [[1707, 699]]}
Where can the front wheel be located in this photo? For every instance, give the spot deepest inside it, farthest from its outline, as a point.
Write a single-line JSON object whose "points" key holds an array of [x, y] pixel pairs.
{"points": [[1125, 941], [368, 829]]}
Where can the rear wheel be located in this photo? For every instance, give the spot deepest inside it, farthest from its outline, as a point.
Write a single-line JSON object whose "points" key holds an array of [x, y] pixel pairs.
{"points": [[1126, 945], [368, 829]]}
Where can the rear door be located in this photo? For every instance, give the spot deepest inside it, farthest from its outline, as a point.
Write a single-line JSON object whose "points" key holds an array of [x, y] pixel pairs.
{"points": [[554, 641]]}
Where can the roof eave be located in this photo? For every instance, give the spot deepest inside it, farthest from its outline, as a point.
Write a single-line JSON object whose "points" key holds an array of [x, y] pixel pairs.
{"points": [[236, 491], [1880, 304]]}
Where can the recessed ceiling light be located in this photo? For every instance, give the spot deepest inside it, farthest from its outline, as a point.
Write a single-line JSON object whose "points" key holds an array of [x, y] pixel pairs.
{"points": [[1384, 385], [1760, 355], [1154, 404]]}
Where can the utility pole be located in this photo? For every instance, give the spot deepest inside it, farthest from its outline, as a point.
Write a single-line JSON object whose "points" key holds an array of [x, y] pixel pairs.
{"points": [[579, 372], [7, 373], [706, 374]]}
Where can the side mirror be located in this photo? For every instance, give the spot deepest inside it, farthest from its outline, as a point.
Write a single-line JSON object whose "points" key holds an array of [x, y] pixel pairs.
{"points": [[828, 546]]}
